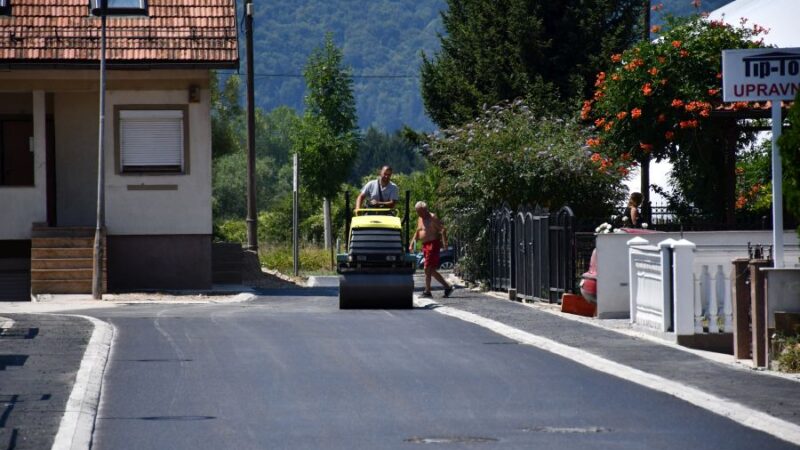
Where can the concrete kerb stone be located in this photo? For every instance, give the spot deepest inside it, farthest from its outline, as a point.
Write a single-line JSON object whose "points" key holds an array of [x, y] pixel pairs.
{"points": [[6, 322], [77, 424]]}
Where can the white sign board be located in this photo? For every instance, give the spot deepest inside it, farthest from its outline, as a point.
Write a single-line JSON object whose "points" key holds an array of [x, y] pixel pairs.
{"points": [[760, 74]]}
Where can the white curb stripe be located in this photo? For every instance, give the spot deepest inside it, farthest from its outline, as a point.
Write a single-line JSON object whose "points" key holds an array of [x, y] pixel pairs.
{"points": [[739, 413], [77, 424]]}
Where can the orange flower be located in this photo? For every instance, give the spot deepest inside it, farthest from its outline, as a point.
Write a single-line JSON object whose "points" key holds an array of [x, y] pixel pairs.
{"points": [[684, 53], [662, 60], [688, 124], [616, 58], [676, 44], [593, 142], [661, 118], [599, 122], [623, 171], [647, 148], [636, 113], [608, 126], [739, 105], [615, 77], [741, 202], [601, 78], [713, 91], [625, 156], [598, 95], [647, 89], [663, 82], [719, 75], [653, 71], [622, 114], [677, 103], [655, 29], [669, 135], [586, 109], [596, 157], [705, 113]]}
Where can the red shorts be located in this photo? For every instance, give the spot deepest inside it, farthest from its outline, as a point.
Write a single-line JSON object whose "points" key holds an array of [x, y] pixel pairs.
{"points": [[430, 252]]}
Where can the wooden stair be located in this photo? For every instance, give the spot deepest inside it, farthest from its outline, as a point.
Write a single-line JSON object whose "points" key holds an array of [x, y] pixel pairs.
{"points": [[61, 260]]}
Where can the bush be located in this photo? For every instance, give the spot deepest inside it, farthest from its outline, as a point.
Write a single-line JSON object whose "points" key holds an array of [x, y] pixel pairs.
{"points": [[788, 351], [511, 154]]}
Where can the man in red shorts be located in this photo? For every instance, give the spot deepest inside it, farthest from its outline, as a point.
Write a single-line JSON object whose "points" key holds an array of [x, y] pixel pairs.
{"points": [[433, 235]]}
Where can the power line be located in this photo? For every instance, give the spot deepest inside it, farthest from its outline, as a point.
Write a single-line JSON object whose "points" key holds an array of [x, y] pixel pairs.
{"points": [[297, 75]]}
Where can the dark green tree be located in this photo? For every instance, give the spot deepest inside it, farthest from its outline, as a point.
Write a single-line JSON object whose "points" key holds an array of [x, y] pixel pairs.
{"points": [[227, 119], [496, 50], [327, 139], [376, 149], [790, 155]]}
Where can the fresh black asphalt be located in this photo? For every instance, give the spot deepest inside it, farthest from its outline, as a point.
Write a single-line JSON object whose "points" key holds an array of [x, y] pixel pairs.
{"points": [[39, 357], [289, 370]]}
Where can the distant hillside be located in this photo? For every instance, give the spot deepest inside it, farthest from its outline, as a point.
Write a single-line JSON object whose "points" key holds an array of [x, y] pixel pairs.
{"points": [[382, 41]]}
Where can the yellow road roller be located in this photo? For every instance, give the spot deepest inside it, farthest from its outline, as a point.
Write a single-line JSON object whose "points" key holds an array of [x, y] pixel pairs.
{"points": [[376, 271]]}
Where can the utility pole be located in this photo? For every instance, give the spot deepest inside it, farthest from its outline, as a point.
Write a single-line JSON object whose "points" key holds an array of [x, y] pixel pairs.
{"points": [[99, 238], [252, 218]]}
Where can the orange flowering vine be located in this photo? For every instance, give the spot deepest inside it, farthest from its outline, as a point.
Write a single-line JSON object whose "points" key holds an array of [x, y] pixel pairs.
{"points": [[636, 113], [647, 89]]}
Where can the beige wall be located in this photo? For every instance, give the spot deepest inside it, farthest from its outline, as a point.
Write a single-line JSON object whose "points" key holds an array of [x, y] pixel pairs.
{"points": [[76, 124], [20, 206], [185, 210]]}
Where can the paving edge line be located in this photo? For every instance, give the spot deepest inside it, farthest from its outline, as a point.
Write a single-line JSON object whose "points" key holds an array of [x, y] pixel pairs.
{"points": [[737, 412], [77, 423]]}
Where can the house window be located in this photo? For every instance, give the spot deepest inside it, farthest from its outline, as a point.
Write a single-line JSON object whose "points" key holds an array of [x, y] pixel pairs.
{"points": [[152, 140], [5, 7], [119, 7], [16, 152]]}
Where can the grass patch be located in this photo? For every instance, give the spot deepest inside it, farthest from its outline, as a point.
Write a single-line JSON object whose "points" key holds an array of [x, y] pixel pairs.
{"points": [[313, 260]]}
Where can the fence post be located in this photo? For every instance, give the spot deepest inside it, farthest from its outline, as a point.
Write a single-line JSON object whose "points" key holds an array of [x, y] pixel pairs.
{"points": [[665, 248], [741, 309], [633, 277], [758, 311], [683, 287]]}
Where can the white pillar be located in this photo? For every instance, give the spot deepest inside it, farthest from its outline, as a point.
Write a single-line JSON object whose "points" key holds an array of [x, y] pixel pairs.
{"points": [[633, 279], [665, 248], [683, 287]]}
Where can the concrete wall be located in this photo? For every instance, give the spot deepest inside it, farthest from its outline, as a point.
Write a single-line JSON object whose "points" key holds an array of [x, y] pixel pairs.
{"points": [[23, 205], [76, 157], [183, 209], [613, 295], [179, 204]]}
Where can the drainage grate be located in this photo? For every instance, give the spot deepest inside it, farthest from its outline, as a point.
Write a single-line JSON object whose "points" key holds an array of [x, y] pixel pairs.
{"points": [[567, 430], [450, 440]]}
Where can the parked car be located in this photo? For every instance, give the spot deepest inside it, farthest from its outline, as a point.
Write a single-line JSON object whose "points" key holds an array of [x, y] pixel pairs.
{"points": [[446, 259]]}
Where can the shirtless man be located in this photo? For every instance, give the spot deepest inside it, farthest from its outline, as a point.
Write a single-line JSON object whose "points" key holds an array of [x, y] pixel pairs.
{"points": [[432, 233]]}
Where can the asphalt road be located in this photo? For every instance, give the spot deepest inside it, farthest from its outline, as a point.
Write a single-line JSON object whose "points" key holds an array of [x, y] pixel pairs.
{"points": [[294, 372]]}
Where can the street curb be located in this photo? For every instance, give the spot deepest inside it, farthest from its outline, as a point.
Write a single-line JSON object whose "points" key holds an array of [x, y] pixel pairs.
{"points": [[77, 423], [5, 322], [751, 418]]}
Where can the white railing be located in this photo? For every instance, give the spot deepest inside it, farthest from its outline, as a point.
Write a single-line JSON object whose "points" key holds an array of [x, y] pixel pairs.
{"points": [[682, 286], [650, 284]]}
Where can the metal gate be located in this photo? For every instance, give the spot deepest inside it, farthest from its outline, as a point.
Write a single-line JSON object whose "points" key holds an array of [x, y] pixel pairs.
{"points": [[534, 252], [501, 230]]}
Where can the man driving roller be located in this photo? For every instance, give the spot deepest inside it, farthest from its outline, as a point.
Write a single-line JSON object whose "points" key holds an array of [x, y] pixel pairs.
{"points": [[379, 193]]}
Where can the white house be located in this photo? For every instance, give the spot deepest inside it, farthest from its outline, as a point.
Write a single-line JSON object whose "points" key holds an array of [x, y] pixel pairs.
{"points": [[157, 143]]}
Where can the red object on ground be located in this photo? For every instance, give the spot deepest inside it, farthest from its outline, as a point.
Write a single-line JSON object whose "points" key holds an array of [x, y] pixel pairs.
{"points": [[575, 304], [589, 280]]}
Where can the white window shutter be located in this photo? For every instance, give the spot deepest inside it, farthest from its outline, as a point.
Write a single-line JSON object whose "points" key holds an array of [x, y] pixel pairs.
{"points": [[151, 138]]}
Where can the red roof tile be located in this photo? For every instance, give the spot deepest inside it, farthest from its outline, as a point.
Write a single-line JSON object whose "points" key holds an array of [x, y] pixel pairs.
{"points": [[201, 32]]}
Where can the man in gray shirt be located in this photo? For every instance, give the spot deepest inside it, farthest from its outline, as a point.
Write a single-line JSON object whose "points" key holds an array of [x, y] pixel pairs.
{"points": [[380, 193]]}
